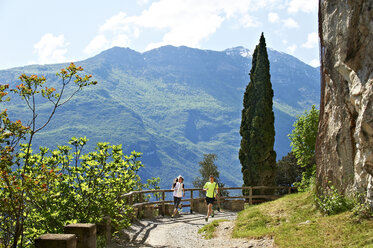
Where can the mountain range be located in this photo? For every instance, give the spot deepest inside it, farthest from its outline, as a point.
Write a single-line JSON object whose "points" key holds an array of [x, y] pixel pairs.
{"points": [[173, 104]]}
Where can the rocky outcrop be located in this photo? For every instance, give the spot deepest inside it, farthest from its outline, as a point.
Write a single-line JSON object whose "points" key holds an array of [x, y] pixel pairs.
{"points": [[344, 149]]}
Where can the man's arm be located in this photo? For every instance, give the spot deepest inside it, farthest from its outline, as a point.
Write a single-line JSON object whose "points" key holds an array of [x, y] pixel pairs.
{"points": [[205, 188]]}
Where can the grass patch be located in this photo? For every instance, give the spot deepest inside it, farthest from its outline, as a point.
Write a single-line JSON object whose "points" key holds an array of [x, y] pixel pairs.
{"points": [[294, 221], [208, 230]]}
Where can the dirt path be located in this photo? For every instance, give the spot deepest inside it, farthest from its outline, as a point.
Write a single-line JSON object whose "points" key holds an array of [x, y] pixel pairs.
{"points": [[183, 232]]}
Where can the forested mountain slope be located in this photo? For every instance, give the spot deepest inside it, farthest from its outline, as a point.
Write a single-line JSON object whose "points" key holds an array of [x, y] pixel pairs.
{"points": [[172, 104]]}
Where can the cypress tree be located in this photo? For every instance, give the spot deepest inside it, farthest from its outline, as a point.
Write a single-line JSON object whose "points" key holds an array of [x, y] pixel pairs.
{"points": [[257, 157]]}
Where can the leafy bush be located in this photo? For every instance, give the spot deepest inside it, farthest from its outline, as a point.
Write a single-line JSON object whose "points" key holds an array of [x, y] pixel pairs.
{"points": [[78, 187], [303, 140], [361, 210], [332, 202], [15, 183], [41, 192], [308, 180]]}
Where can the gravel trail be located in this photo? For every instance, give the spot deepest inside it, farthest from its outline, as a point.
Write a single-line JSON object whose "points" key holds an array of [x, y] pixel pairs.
{"points": [[182, 232]]}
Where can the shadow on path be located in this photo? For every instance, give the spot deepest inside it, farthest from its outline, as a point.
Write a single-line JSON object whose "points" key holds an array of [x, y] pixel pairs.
{"points": [[137, 235]]}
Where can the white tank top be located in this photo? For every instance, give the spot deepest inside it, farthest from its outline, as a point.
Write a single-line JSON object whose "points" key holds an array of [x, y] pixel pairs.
{"points": [[178, 190]]}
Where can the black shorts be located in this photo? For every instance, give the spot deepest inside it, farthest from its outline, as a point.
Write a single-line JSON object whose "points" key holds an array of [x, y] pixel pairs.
{"points": [[210, 200], [177, 201]]}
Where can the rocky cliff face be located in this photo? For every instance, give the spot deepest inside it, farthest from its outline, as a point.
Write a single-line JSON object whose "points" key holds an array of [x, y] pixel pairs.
{"points": [[344, 149]]}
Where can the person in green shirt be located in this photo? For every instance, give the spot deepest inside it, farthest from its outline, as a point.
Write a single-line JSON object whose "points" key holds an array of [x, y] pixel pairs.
{"points": [[211, 189]]}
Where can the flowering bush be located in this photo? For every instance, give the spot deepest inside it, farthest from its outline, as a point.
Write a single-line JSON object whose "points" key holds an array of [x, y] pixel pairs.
{"points": [[41, 192]]}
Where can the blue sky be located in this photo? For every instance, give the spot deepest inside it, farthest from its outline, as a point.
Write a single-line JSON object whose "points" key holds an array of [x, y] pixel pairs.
{"points": [[52, 31]]}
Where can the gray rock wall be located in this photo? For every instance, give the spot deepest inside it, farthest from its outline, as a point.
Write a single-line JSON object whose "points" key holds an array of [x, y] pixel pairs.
{"points": [[344, 149]]}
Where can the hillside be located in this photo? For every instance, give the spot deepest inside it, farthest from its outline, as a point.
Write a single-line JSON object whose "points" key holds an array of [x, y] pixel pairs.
{"points": [[294, 221], [173, 104]]}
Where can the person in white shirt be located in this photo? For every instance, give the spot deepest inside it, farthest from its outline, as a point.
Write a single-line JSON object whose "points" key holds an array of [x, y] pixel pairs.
{"points": [[178, 187]]}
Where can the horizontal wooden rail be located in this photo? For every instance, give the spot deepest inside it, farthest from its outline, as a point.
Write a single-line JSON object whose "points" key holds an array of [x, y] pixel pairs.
{"points": [[161, 203]]}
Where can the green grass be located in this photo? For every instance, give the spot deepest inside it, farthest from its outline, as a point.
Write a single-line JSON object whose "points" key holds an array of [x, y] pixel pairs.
{"points": [[285, 220], [208, 230]]}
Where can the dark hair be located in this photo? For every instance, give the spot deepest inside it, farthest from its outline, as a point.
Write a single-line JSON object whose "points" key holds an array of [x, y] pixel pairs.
{"points": [[211, 176]]}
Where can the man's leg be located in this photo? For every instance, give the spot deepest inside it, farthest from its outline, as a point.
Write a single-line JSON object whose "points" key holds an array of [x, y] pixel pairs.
{"points": [[175, 212], [208, 211]]}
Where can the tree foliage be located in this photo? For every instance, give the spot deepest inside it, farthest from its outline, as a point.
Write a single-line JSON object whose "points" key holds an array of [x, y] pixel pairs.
{"points": [[13, 183], [288, 170], [207, 168], [77, 187], [257, 157], [41, 192], [303, 141]]}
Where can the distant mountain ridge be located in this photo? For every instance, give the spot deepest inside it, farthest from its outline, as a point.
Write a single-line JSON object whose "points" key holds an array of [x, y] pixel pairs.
{"points": [[173, 104]]}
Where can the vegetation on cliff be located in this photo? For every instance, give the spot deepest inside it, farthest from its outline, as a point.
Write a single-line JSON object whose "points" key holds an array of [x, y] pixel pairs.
{"points": [[303, 142]]}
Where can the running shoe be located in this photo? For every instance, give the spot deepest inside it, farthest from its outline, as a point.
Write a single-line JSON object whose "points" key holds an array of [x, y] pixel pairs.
{"points": [[206, 219]]}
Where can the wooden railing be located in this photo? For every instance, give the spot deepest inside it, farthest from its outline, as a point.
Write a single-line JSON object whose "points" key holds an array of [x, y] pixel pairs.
{"points": [[140, 199]]}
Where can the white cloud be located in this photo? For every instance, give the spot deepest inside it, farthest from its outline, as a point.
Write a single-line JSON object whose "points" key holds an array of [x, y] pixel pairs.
{"points": [[142, 2], [291, 49], [181, 22], [121, 40], [315, 63], [312, 40], [96, 45], [290, 23], [249, 21], [117, 24], [273, 17], [51, 49], [307, 6]]}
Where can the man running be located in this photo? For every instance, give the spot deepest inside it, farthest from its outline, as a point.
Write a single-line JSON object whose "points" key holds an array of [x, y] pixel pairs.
{"points": [[211, 189]]}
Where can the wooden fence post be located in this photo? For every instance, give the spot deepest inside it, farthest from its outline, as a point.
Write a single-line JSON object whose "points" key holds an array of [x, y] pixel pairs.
{"points": [[250, 196], [140, 207], [85, 233], [56, 241], [163, 204], [191, 201]]}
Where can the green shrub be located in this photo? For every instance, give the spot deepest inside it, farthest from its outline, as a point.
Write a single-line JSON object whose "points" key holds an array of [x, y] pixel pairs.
{"points": [[332, 202], [77, 188], [362, 211]]}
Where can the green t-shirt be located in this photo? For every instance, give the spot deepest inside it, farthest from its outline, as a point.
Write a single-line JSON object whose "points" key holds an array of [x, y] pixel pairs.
{"points": [[210, 189]]}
